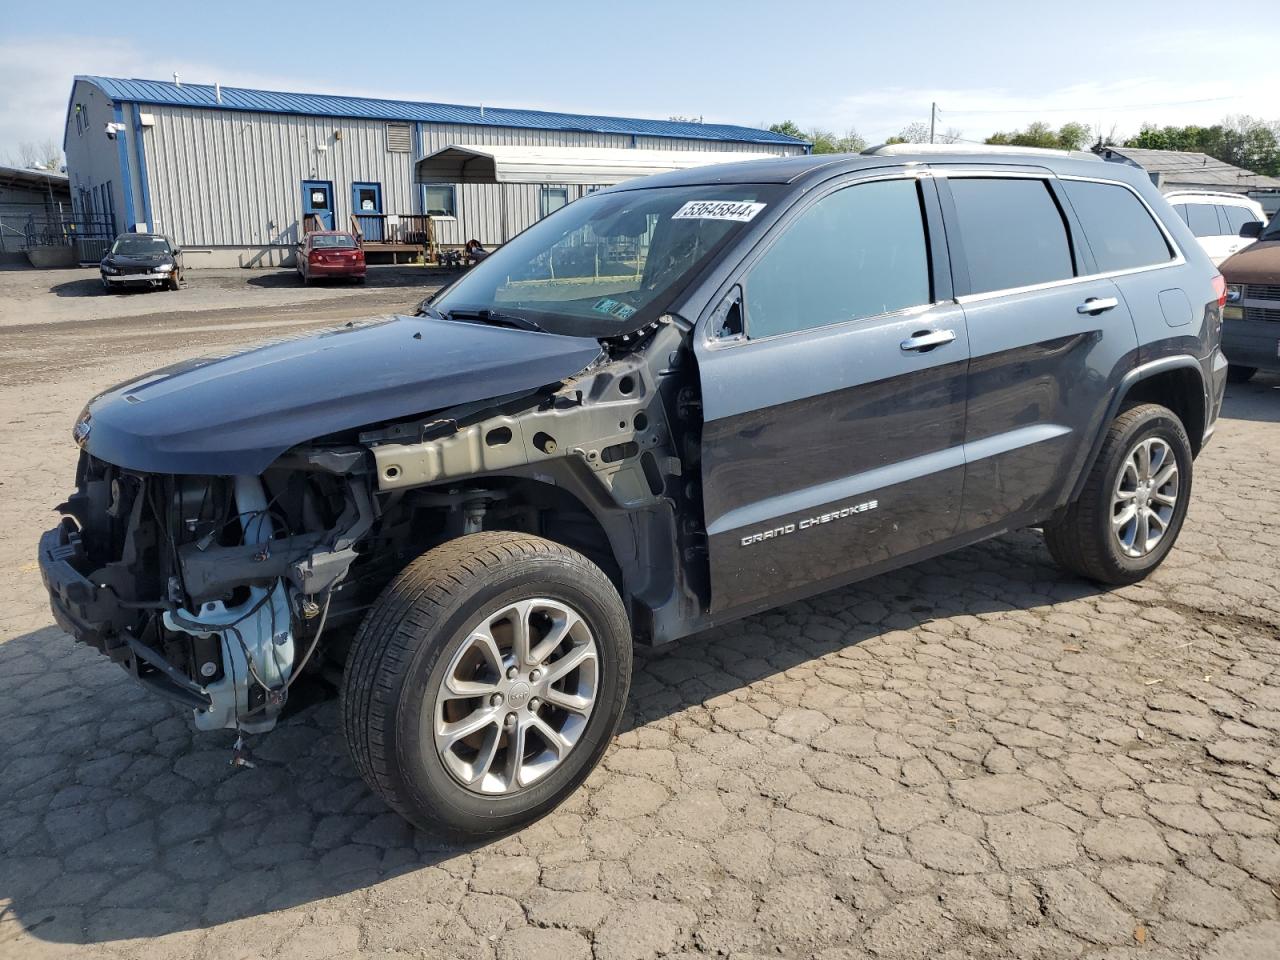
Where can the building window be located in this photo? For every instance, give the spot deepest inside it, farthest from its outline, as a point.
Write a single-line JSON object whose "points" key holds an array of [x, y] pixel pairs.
{"points": [[399, 137], [439, 200], [553, 198]]}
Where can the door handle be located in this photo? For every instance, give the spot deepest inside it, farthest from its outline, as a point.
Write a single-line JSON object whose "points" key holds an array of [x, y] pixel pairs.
{"points": [[1098, 305], [928, 339]]}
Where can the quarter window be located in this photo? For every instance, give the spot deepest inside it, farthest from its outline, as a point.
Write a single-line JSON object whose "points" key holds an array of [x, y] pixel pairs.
{"points": [[1237, 217], [856, 253], [1120, 231], [1013, 233], [1202, 218]]}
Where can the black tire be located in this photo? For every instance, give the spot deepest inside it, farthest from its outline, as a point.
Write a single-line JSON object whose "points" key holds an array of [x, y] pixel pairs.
{"points": [[1081, 538], [1236, 374], [174, 281], [404, 648]]}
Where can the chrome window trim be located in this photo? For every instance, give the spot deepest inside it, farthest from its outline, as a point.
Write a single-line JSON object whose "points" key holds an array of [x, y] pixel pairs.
{"points": [[1177, 260]]}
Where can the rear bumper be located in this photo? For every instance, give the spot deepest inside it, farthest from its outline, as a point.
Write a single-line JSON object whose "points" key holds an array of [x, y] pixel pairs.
{"points": [[93, 616], [335, 270], [1252, 343]]}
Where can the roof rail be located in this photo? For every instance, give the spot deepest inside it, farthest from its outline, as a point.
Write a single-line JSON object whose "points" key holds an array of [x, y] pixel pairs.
{"points": [[908, 149]]}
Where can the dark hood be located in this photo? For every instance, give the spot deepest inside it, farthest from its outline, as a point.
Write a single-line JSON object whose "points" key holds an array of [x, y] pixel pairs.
{"points": [[235, 414], [1257, 263], [138, 260]]}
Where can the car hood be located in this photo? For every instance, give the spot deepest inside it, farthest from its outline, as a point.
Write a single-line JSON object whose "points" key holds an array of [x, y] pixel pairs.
{"points": [[150, 260], [235, 414], [1257, 263]]}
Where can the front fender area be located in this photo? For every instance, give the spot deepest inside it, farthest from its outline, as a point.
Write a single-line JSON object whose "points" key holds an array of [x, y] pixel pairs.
{"points": [[604, 440]]}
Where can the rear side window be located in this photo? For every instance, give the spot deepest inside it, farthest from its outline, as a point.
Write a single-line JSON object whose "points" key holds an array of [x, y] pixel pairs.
{"points": [[1237, 217], [1013, 233], [858, 252], [1120, 231], [1202, 218]]}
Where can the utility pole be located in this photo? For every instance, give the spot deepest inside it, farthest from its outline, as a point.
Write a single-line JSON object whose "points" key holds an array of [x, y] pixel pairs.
{"points": [[933, 119]]}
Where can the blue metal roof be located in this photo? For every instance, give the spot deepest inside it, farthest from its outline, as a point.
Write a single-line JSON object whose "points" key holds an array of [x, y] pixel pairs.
{"points": [[328, 105]]}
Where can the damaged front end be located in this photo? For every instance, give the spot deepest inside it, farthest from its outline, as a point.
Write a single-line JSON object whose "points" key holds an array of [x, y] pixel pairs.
{"points": [[214, 591]]}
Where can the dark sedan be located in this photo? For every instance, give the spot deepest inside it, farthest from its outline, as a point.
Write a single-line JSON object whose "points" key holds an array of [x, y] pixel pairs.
{"points": [[142, 259]]}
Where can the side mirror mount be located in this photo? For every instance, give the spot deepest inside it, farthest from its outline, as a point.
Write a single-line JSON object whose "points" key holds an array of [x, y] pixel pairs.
{"points": [[1251, 230]]}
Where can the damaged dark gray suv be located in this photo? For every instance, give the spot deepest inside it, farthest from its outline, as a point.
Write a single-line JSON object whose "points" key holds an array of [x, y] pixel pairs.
{"points": [[671, 404]]}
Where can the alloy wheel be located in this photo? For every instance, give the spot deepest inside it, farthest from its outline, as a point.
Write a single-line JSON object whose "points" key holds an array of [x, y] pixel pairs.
{"points": [[1145, 497], [516, 696]]}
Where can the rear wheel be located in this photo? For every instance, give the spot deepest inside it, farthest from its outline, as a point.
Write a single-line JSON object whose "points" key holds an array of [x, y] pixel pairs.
{"points": [[1237, 374], [1129, 514], [486, 682]]}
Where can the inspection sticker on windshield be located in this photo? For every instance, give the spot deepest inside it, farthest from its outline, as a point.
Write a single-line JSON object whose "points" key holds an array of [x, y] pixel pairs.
{"points": [[718, 210], [614, 308]]}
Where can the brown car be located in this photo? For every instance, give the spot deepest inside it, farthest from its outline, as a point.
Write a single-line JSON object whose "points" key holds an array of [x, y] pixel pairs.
{"points": [[1251, 318]]}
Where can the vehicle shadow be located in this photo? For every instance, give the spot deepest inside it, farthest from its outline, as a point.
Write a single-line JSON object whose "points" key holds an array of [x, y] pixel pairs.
{"points": [[1258, 400], [119, 821], [378, 275], [92, 287]]}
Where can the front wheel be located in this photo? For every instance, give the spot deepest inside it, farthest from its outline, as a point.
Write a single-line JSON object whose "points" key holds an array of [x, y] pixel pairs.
{"points": [[486, 682], [1129, 514]]}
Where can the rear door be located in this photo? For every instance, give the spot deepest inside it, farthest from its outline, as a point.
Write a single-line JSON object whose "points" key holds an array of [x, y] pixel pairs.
{"points": [[1049, 340], [833, 390]]}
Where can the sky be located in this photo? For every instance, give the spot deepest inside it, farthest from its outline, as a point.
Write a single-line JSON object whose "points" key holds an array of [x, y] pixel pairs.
{"points": [[873, 67]]}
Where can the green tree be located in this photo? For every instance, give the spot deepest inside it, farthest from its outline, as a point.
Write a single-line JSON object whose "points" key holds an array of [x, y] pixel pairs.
{"points": [[824, 141], [1241, 141], [1070, 136], [788, 129]]}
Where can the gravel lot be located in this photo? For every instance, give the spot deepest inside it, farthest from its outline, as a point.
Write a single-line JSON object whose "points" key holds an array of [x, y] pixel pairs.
{"points": [[974, 757]]}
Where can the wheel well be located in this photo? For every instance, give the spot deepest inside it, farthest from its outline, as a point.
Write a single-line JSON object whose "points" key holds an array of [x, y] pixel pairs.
{"points": [[1182, 391], [553, 513]]}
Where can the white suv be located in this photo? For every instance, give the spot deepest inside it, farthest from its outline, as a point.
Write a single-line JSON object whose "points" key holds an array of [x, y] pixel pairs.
{"points": [[1216, 219]]}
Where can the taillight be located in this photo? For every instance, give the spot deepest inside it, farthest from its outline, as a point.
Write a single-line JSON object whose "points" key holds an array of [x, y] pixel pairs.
{"points": [[1220, 288]]}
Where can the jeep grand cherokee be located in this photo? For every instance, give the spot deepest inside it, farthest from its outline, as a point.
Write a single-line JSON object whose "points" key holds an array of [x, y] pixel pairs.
{"points": [[669, 405]]}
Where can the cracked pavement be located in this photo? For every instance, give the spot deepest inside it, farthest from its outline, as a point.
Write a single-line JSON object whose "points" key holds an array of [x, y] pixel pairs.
{"points": [[975, 757]]}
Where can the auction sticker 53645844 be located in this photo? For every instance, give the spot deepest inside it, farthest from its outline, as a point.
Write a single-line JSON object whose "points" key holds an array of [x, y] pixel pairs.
{"points": [[718, 210]]}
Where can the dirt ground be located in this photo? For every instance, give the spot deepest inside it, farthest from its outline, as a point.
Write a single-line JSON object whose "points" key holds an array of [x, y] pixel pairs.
{"points": [[975, 757]]}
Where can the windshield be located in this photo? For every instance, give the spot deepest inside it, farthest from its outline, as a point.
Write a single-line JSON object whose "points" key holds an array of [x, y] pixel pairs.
{"points": [[608, 263], [1272, 231], [140, 245], [338, 241]]}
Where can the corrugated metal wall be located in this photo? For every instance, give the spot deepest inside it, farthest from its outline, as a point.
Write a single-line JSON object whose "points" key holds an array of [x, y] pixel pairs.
{"points": [[227, 178]]}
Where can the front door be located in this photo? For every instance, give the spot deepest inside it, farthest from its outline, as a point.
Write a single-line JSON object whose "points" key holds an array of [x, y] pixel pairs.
{"points": [[366, 204], [834, 421], [317, 203]]}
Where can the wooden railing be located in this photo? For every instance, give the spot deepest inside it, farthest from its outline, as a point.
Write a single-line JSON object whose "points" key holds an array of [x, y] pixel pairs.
{"points": [[403, 229]]}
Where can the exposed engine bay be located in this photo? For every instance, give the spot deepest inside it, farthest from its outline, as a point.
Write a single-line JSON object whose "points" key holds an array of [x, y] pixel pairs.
{"points": [[221, 592]]}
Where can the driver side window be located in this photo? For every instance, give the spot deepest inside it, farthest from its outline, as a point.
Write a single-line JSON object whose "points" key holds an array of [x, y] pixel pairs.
{"points": [[859, 252]]}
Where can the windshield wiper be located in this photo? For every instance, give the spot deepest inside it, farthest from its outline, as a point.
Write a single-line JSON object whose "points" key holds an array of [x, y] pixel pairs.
{"points": [[495, 318]]}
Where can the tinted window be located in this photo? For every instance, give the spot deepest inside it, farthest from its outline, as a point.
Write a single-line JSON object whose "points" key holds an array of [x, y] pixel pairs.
{"points": [[1013, 233], [1237, 217], [1181, 210], [1121, 232], [1202, 218], [856, 253]]}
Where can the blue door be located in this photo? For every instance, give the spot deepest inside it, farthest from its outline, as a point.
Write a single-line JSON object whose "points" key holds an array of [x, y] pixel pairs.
{"points": [[366, 204], [317, 201]]}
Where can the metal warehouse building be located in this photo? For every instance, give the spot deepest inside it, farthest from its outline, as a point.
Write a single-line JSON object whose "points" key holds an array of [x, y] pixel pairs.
{"points": [[234, 176]]}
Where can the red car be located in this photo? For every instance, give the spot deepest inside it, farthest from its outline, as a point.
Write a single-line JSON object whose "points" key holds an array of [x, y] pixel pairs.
{"points": [[330, 253]]}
